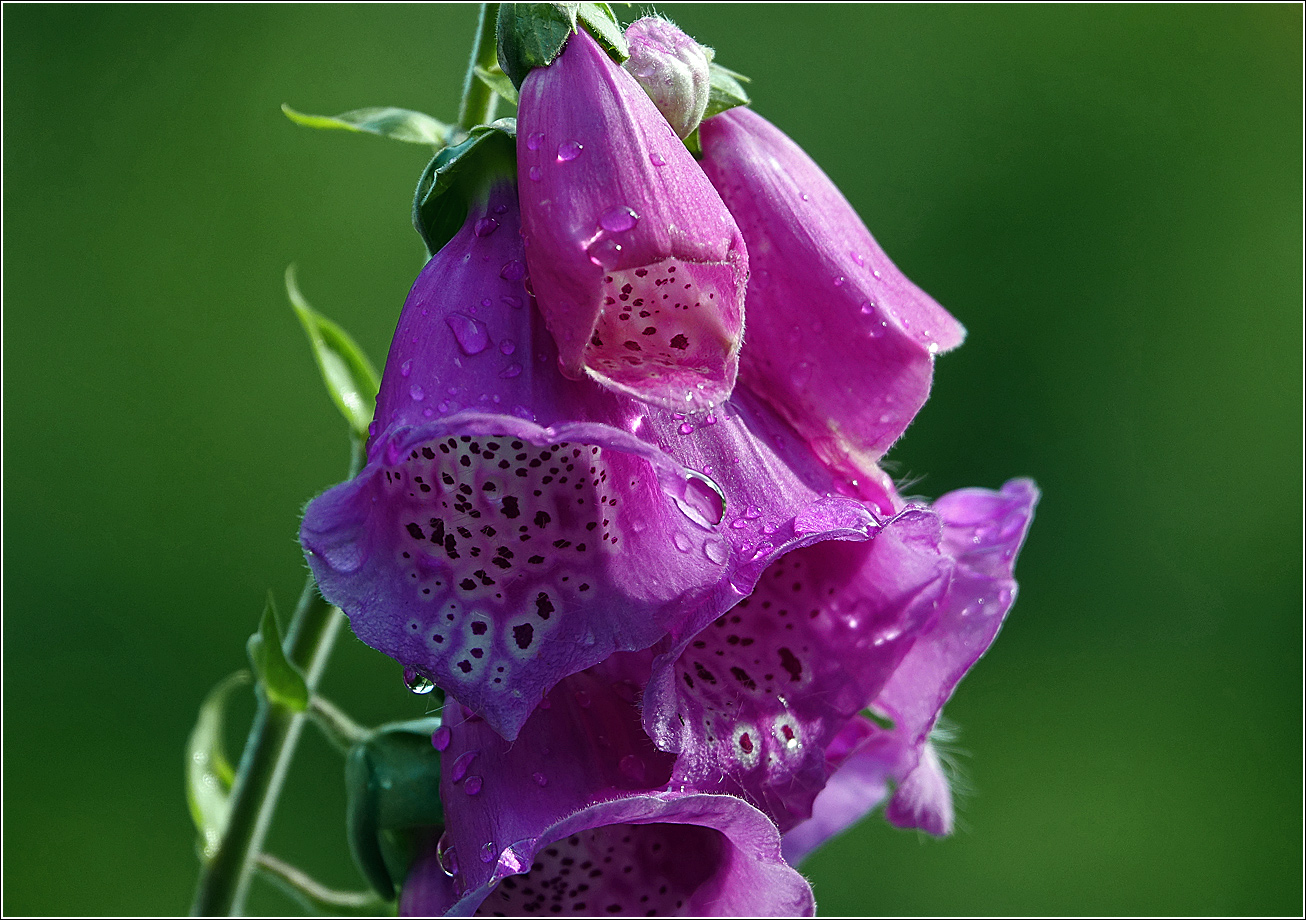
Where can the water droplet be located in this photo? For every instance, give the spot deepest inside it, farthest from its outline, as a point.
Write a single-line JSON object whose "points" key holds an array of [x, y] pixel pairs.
{"points": [[534, 173], [460, 766], [838, 281], [470, 333], [417, 682], [619, 219], [514, 302], [753, 512], [446, 856], [440, 740], [710, 420], [857, 257], [406, 368], [656, 159], [738, 524], [868, 307], [604, 252], [805, 196], [488, 853], [485, 226], [473, 785], [701, 500], [933, 348], [582, 699], [681, 542], [512, 270], [791, 744], [417, 393], [569, 150], [875, 272], [800, 374], [533, 142], [507, 346], [511, 862], [686, 428], [717, 550], [540, 779], [632, 768], [512, 370]]}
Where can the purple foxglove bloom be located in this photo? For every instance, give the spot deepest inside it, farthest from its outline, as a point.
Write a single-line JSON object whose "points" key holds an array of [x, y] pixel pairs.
{"points": [[840, 342], [512, 527], [639, 268], [753, 702], [579, 816], [672, 68], [982, 532]]}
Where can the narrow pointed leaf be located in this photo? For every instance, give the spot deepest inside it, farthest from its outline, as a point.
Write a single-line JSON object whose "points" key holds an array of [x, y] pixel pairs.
{"points": [[498, 81], [350, 377], [209, 773], [383, 121], [727, 90], [281, 682]]}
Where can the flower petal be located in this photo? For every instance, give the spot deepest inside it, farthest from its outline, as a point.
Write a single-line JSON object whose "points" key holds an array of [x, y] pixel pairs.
{"points": [[752, 703], [512, 527], [983, 532], [840, 342], [575, 817], [639, 268]]}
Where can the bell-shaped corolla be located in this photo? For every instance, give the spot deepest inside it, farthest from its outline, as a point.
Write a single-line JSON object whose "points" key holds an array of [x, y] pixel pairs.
{"points": [[512, 527], [982, 533], [580, 817], [639, 269], [840, 342]]}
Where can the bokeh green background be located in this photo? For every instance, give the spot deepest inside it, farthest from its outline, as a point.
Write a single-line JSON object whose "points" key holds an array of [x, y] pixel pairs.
{"points": [[1108, 197]]}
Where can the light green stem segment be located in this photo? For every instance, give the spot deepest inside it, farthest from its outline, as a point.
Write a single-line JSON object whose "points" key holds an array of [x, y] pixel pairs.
{"points": [[479, 101], [224, 879]]}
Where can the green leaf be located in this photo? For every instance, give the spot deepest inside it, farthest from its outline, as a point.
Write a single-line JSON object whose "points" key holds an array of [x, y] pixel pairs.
{"points": [[383, 121], [725, 91], [209, 773], [532, 35], [349, 376], [280, 681], [392, 781], [458, 175], [498, 81]]}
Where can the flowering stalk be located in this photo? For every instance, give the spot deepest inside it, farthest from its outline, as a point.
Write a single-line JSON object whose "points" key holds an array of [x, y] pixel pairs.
{"points": [[479, 101]]}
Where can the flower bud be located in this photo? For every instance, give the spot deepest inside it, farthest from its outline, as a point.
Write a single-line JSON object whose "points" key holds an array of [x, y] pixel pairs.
{"points": [[672, 69]]}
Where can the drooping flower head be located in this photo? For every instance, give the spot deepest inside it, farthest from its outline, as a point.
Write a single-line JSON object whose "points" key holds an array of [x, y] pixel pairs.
{"points": [[638, 266], [512, 527], [579, 816], [840, 342]]}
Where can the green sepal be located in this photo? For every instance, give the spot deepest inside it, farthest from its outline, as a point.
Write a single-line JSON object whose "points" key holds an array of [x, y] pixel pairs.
{"points": [[497, 81], [350, 377], [725, 90], [392, 783], [880, 719], [209, 773], [458, 175], [383, 121], [532, 35], [278, 679]]}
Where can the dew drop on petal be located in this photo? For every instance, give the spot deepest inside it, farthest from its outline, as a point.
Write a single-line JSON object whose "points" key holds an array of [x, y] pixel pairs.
{"points": [[512, 370], [656, 159], [461, 765], [417, 393], [868, 307], [488, 853], [681, 542], [471, 334], [569, 150], [417, 682], [507, 346], [473, 785], [485, 226], [700, 499], [619, 219], [686, 428], [534, 173], [533, 142], [540, 779], [583, 699], [838, 280], [440, 739], [717, 550], [406, 368], [512, 270], [446, 856]]}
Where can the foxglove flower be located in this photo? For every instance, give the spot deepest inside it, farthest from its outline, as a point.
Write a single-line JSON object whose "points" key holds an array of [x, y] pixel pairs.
{"points": [[840, 342], [639, 268], [580, 816], [512, 527], [983, 532]]}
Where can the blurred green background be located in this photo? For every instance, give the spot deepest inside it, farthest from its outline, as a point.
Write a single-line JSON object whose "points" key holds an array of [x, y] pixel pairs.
{"points": [[1108, 197]]}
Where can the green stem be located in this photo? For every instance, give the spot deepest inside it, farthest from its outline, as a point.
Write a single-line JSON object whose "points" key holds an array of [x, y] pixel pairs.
{"points": [[342, 731], [479, 101], [315, 897], [224, 879]]}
